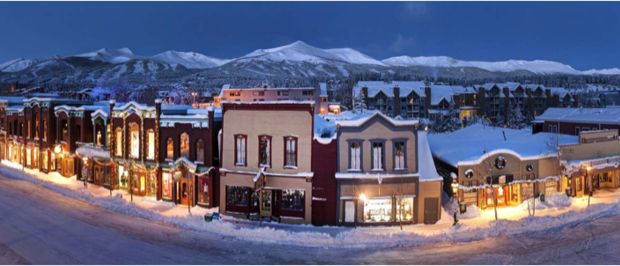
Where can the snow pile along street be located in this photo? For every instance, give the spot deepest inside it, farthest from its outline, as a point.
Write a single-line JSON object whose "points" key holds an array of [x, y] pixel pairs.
{"points": [[558, 211]]}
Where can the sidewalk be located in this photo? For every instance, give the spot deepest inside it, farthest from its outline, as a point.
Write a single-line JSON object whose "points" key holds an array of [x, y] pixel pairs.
{"points": [[476, 224]]}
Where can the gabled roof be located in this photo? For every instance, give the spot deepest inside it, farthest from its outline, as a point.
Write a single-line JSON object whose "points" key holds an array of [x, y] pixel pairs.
{"points": [[361, 121], [374, 87]]}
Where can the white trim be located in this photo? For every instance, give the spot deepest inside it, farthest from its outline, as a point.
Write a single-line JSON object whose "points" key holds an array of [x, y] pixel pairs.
{"points": [[300, 174]]}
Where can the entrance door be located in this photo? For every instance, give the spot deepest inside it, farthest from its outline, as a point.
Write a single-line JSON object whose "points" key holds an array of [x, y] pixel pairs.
{"points": [[277, 202], [431, 206], [266, 198], [184, 193], [349, 211]]}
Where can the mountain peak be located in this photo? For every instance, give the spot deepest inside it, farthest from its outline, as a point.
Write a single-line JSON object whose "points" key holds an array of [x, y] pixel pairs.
{"points": [[191, 60]]}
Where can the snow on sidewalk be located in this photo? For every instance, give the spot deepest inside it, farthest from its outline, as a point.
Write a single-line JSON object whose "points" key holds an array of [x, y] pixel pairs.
{"points": [[558, 211]]}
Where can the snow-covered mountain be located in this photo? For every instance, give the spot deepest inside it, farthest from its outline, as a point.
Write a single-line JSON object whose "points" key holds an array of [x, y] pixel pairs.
{"points": [[302, 52], [294, 62], [113, 56], [535, 66], [16, 65], [190, 60]]}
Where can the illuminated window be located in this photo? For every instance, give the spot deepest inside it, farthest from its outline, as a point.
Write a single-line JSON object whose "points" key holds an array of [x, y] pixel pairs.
{"points": [[170, 149], [150, 142], [119, 142], [185, 145], [134, 141]]}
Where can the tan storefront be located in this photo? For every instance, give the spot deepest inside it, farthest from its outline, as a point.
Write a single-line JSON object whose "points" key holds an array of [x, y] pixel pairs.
{"points": [[266, 166]]}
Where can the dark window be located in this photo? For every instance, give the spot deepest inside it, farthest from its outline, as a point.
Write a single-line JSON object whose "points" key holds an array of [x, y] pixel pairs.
{"points": [[290, 152], [237, 196], [293, 200]]}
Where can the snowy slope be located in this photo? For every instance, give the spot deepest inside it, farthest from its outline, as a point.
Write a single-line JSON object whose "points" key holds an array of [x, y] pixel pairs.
{"points": [[535, 66], [353, 56], [114, 56], [190, 60], [16, 65], [607, 71]]}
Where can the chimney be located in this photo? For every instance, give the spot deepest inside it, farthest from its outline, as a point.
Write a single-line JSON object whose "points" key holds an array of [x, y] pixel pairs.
{"points": [[427, 99], [396, 91]]}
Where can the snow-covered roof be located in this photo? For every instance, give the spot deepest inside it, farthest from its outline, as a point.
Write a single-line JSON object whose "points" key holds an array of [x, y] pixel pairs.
{"points": [[387, 88], [441, 91], [426, 165], [608, 115], [268, 102], [472, 144], [359, 121]]}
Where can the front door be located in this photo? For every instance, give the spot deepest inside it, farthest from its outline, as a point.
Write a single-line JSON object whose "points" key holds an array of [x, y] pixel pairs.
{"points": [[349, 211], [276, 202], [184, 192], [431, 207], [266, 203]]}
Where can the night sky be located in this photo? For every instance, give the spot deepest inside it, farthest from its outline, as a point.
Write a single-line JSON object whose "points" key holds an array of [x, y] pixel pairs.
{"points": [[583, 35]]}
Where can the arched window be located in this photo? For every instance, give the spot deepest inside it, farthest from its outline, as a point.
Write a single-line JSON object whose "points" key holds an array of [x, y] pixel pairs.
{"points": [[134, 141], [118, 138], [170, 149], [184, 145], [200, 151]]}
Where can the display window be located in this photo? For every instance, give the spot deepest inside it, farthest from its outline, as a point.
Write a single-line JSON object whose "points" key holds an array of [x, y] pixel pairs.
{"points": [[378, 210], [167, 185]]}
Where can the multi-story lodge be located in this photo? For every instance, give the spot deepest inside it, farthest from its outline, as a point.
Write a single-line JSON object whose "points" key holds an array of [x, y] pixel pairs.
{"points": [[572, 121], [267, 160], [384, 172], [499, 166], [495, 101]]}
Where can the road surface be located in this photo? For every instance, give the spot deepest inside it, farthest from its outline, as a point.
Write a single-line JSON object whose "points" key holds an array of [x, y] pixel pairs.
{"points": [[39, 226]]}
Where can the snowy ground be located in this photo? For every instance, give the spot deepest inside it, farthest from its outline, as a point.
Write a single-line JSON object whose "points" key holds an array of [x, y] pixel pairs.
{"points": [[49, 200]]}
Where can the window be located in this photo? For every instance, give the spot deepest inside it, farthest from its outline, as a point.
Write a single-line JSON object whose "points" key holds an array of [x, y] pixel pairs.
{"points": [[264, 151], [577, 131], [282, 93], [65, 131], [258, 93], [119, 142], [293, 200], [44, 129], [200, 151], [185, 145], [290, 152], [240, 150], [98, 138], [150, 144], [307, 93], [399, 155], [170, 149], [377, 156], [355, 153], [134, 141], [237, 196]]}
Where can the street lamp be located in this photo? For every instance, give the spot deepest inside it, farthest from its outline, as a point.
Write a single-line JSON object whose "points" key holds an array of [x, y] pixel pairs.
{"points": [[455, 195], [85, 171]]}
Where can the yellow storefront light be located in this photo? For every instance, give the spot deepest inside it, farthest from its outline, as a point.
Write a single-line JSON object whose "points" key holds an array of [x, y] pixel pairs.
{"points": [[57, 149], [363, 197]]}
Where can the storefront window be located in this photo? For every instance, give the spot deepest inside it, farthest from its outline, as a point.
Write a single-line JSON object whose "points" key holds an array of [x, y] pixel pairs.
{"points": [[167, 185], [122, 179], [378, 210], [404, 210], [203, 191], [237, 196], [293, 200]]}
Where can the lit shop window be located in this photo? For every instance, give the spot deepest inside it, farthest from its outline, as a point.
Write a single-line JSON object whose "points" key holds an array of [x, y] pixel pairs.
{"points": [[378, 210], [167, 185], [404, 210], [293, 200]]}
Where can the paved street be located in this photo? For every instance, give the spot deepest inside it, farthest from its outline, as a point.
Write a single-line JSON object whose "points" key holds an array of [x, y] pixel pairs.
{"points": [[40, 226]]}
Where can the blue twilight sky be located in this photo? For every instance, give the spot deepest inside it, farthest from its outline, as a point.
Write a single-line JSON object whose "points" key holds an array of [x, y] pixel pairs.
{"points": [[584, 35]]}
